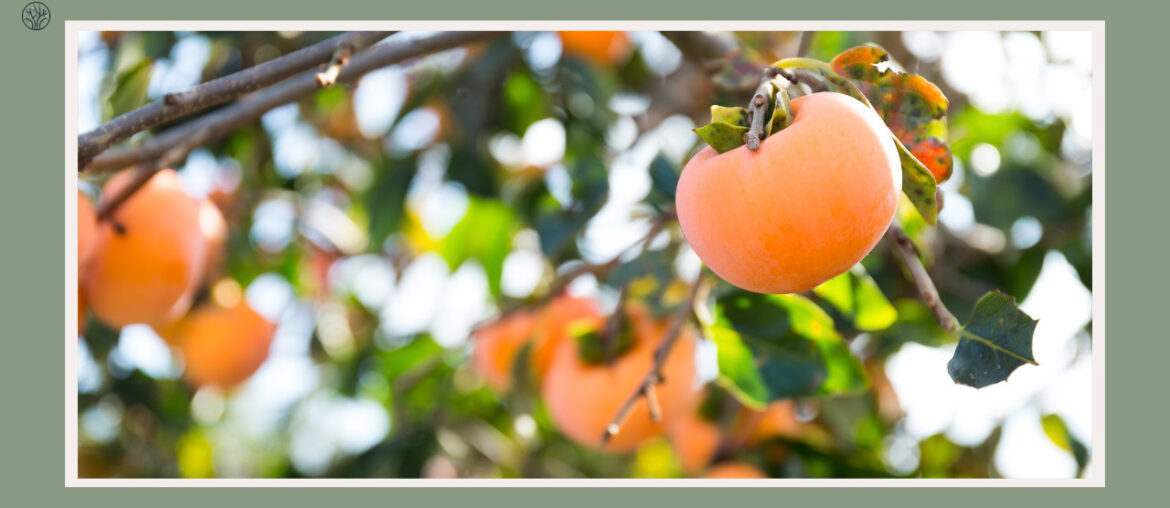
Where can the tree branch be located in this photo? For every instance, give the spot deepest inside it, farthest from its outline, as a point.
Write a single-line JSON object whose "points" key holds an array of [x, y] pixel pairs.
{"points": [[926, 289], [145, 171], [248, 109], [647, 388], [806, 39], [216, 91]]}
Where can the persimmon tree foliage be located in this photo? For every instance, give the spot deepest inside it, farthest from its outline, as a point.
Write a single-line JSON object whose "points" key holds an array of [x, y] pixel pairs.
{"points": [[809, 192]]}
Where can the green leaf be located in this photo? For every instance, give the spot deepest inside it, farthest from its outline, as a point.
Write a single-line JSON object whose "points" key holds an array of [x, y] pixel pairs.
{"points": [[484, 234], [857, 296], [1057, 431], [386, 199], [664, 175], [791, 347], [723, 137], [781, 111], [129, 90], [996, 341], [737, 368]]}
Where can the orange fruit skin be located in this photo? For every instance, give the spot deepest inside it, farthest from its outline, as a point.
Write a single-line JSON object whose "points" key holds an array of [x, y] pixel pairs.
{"points": [[598, 47], [811, 203], [496, 347], [738, 470], [777, 420], [582, 399], [86, 231], [223, 346], [695, 441], [554, 326], [149, 273], [80, 312]]}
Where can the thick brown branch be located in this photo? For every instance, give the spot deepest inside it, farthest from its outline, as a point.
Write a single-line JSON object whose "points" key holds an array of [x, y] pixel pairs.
{"points": [[647, 387], [214, 92], [926, 289], [246, 110]]}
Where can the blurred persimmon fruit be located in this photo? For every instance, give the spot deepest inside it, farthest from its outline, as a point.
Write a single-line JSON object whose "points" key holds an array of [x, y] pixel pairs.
{"points": [[606, 48], [148, 258], [582, 398], [222, 346]]}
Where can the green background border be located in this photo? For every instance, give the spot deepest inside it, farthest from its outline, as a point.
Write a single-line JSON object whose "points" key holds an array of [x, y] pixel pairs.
{"points": [[32, 451]]}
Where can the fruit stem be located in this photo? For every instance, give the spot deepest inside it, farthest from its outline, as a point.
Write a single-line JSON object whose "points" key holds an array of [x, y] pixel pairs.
{"points": [[647, 387], [757, 109], [926, 288]]}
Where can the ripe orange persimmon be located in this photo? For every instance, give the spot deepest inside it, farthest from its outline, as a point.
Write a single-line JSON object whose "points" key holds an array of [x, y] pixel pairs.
{"points": [[740, 470], [497, 344], [496, 347], [777, 420], [809, 204], [554, 327], [598, 47], [223, 346], [583, 398], [149, 256], [86, 231], [695, 440]]}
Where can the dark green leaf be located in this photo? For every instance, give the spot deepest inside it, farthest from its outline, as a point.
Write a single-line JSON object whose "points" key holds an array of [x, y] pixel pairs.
{"points": [[996, 341], [796, 350], [664, 175]]}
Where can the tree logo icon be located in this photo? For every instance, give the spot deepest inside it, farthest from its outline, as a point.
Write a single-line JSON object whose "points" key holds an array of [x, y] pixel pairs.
{"points": [[35, 16]]}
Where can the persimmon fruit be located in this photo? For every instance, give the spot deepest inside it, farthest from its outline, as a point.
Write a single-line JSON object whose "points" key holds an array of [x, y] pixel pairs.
{"points": [[148, 258], [86, 231], [596, 46], [582, 398], [223, 346], [740, 470], [695, 440], [498, 344], [809, 204]]}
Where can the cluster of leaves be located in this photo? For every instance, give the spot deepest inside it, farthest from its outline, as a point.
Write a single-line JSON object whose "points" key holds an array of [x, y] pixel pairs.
{"points": [[769, 348]]}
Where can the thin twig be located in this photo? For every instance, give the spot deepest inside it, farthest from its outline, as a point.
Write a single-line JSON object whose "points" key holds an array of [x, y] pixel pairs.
{"points": [[145, 171], [340, 57], [224, 121], [806, 39], [926, 289], [596, 269], [216, 91], [647, 387]]}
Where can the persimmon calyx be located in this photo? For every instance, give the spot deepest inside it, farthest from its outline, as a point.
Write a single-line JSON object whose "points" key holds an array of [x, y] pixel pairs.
{"points": [[767, 112]]}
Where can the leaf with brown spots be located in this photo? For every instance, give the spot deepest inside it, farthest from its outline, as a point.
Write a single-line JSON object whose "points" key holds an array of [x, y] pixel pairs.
{"points": [[914, 108], [919, 183]]}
